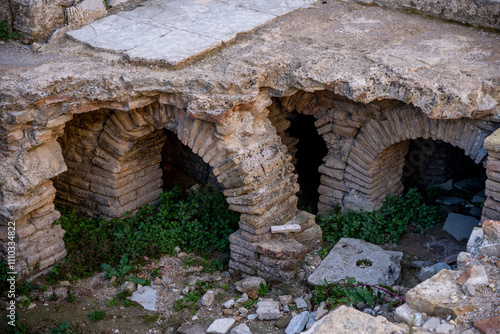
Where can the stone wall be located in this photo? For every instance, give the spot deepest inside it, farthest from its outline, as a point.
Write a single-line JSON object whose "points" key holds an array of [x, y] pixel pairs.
{"points": [[112, 151], [36, 20], [367, 145]]}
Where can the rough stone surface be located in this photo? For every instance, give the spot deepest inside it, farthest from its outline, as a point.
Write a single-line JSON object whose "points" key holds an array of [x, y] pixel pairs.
{"points": [[249, 284], [491, 229], [145, 296], [342, 261], [297, 323], [268, 310], [221, 326], [428, 294], [488, 325], [346, 320], [406, 314], [240, 329], [208, 298]]}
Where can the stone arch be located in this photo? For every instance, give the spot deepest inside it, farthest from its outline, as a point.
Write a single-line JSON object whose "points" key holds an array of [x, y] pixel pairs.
{"points": [[367, 144], [245, 155], [375, 162]]}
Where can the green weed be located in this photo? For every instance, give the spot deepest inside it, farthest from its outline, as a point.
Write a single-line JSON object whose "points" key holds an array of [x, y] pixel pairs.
{"points": [[96, 315], [6, 33]]}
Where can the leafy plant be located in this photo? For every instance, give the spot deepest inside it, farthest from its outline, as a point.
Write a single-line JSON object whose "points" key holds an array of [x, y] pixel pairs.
{"points": [[71, 298], [387, 225], [61, 329], [96, 315], [264, 289], [120, 270], [153, 231], [350, 292], [6, 33]]}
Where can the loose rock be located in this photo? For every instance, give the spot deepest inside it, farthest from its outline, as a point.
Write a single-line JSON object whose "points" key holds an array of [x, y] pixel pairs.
{"points": [[297, 323], [221, 326], [268, 310]]}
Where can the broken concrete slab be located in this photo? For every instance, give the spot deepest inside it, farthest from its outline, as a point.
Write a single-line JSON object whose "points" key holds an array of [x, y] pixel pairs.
{"points": [[146, 296], [460, 226], [359, 259]]}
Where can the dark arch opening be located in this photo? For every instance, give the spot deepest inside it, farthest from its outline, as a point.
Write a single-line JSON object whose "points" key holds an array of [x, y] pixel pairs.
{"points": [[184, 168], [311, 149], [438, 169]]}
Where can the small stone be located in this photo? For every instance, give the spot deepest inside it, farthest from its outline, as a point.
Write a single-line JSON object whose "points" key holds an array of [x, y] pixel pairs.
{"points": [[208, 298], [237, 318], [286, 308], [66, 283], [488, 325], [322, 310], [131, 286], [112, 280], [177, 249], [243, 312], [221, 326], [253, 294], [182, 255], [36, 46], [240, 329], [368, 310], [298, 293], [312, 319], [31, 306], [249, 284], [300, 302], [431, 324], [228, 304], [297, 323], [157, 281], [252, 316], [185, 291], [406, 314], [268, 310], [285, 300], [283, 322], [461, 258], [227, 311], [193, 281], [445, 328], [241, 301]]}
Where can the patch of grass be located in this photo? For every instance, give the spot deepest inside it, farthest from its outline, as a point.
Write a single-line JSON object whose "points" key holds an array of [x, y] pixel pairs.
{"points": [[96, 315], [152, 232], [190, 300], [386, 225], [6, 32], [121, 298], [71, 298], [209, 265], [264, 289], [62, 329], [350, 292], [249, 303]]}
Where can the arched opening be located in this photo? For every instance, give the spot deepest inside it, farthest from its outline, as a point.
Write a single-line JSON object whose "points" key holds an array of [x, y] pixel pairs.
{"points": [[310, 152], [446, 174], [182, 167]]}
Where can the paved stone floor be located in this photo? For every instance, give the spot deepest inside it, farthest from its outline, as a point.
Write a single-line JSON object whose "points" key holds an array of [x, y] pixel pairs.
{"points": [[171, 31]]}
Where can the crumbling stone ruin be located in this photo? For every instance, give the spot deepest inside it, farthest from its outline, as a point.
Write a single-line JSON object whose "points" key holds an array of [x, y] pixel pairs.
{"points": [[86, 128]]}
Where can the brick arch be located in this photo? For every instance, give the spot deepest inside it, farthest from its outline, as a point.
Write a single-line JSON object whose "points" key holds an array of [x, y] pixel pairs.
{"points": [[367, 144], [246, 156], [375, 161]]}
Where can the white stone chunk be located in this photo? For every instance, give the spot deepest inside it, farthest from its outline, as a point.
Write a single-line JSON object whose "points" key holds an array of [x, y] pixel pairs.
{"points": [[221, 326], [287, 228]]}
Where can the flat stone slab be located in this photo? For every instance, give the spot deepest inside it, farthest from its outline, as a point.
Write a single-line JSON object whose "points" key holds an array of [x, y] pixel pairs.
{"points": [[366, 262], [460, 226], [145, 296], [172, 31]]}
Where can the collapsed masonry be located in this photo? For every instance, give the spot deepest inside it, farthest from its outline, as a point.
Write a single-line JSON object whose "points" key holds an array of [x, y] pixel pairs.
{"points": [[101, 152]]}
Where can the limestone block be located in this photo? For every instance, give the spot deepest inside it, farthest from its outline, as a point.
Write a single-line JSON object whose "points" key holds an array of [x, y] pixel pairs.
{"points": [[268, 310], [348, 320], [221, 326], [491, 229], [249, 284], [31, 169], [437, 289]]}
